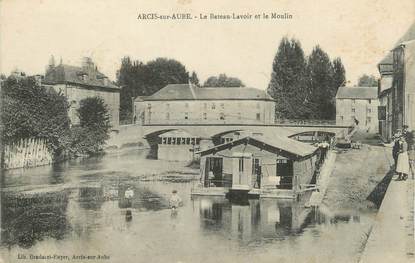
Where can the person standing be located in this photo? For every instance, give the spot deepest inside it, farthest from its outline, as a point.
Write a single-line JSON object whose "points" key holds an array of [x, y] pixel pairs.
{"points": [[403, 161], [395, 152]]}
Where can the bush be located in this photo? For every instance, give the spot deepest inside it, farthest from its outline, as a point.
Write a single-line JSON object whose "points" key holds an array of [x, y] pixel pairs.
{"points": [[90, 136], [32, 111]]}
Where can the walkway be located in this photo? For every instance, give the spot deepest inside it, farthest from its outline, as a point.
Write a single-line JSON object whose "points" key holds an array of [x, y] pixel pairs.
{"points": [[392, 236]]}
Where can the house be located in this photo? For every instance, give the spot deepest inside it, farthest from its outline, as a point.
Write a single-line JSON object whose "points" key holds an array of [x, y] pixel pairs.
{"points": [[391, 79], [78, 83], [358, 103], [189, 104], [258, 165], [403, 90]]}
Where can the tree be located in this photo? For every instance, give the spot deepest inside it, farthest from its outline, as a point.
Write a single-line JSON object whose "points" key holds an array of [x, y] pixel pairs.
{"points": [[339, 77], [223, 81], [321, 84], [32, 111], [367, 81], [93, 131], [288, 81], [138, 79], [194, 79]]}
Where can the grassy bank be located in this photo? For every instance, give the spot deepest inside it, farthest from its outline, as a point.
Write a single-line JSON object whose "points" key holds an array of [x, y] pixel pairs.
{"points": [[359, 178]]}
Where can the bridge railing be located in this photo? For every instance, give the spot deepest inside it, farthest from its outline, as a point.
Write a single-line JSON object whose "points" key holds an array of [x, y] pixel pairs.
{"points": [[305, 122]]}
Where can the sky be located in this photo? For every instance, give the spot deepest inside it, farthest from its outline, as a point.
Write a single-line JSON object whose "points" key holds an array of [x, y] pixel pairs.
{"points": [[359, 32]]}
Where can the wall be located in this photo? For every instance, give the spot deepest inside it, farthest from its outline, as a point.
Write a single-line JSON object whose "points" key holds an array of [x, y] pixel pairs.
{"points": [[26, 153], [409, 115], [365, 111], [75, 94], [303, 171], [204, 111]]}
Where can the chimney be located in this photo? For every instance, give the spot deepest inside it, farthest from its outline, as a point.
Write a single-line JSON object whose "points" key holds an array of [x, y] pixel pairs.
{"points": [[87, 64]]}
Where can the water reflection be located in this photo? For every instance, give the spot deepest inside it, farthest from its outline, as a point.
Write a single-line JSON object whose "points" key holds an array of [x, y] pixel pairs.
{"points": [[84, 204], [30, 217], [262, 219]]}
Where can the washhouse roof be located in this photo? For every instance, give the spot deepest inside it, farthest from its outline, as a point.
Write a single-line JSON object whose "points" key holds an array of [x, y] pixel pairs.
{"points": [[277, 144], [192, 92]]}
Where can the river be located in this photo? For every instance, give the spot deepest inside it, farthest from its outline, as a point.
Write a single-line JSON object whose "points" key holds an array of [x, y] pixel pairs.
{"points": [[78, 208]]}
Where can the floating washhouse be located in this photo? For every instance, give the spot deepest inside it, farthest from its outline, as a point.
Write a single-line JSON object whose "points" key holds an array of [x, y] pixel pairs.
{"points": [[258, 165]]}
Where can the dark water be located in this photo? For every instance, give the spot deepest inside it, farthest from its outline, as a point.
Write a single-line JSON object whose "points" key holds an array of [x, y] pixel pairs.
{"points": [[79, 208]]}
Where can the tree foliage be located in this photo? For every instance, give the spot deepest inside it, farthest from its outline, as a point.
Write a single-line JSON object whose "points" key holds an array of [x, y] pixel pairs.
{"points": [[32, 111], [367, 81], [139, 79], [223, 81], [304, 88], [90, 136], [288, 80]]}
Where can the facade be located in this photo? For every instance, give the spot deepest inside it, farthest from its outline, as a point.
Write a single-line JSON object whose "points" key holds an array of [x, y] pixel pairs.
{"points": [[256, 163], [78, 83], [189, 104], [395, 92], [358, 103], [403, 90]]}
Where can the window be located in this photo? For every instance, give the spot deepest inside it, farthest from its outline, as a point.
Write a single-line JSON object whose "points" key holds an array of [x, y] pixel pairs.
{"points": [[187, 140], [258, 116], [369, 110], [204, 116], [164, 140], [169, 140], [353, 110], [341, 117], [149, 105], [178, 141], [186, 115], [353, 101], [369, 119], [213, 106], [222, 106], [370, 101], [221, 116], [241, 164]]}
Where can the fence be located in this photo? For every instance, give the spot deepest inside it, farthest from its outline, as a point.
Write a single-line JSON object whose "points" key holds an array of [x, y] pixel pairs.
{"points": [[26, 153]]}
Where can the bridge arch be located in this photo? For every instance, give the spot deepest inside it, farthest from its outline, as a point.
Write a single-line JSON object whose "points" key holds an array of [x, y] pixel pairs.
{"points": [[313, 135]]}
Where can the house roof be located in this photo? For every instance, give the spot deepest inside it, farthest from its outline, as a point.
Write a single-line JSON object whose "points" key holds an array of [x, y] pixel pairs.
{"points": [[192, 92], [409, 35], [275, 144], [73, 74], [357, 93]]}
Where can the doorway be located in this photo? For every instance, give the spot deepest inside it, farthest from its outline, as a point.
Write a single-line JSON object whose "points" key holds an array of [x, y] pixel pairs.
{"points": [[285, 173]]}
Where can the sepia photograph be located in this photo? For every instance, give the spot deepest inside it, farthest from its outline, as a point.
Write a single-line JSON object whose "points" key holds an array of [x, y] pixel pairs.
{"points": [[207, 131]]}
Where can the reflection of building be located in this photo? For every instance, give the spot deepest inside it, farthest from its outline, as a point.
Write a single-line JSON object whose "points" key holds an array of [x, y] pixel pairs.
{"points": [[78, 83], [258, 162], [360, 103], [189, 104], [258, 219]]}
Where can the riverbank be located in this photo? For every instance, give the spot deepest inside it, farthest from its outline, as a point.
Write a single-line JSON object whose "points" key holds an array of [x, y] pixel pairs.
{"points": [[359, 178]]}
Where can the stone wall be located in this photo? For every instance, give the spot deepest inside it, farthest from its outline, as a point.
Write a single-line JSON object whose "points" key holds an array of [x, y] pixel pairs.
{"points": [[26, 153]]}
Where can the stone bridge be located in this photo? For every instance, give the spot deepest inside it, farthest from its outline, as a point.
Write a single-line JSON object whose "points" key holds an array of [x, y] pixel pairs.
{"points": [[134, 133], [207, 131]]}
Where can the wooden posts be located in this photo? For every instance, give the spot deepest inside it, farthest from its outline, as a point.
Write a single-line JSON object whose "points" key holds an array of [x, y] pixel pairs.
{"points": [[27, 153]]}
